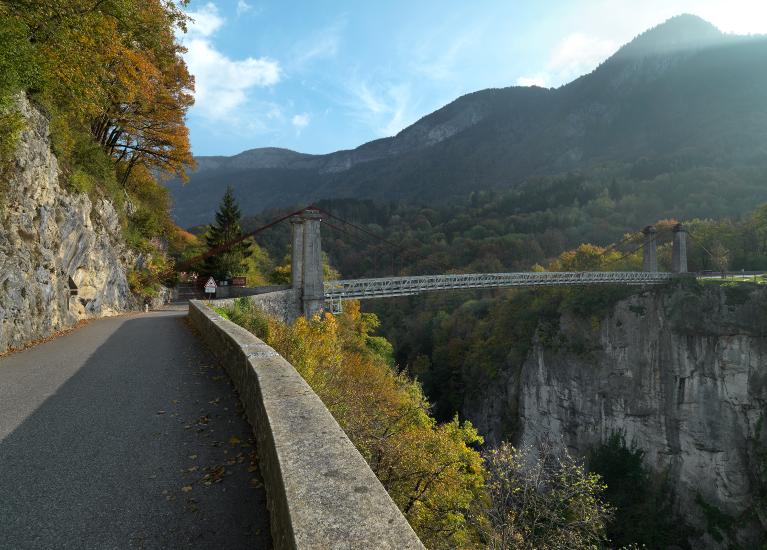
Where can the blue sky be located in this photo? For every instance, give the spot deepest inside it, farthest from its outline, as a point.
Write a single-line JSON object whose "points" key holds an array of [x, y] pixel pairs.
{"points": [[319, 76]]}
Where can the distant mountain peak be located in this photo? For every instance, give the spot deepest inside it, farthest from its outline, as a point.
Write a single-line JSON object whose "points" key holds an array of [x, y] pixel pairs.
{"points": [[679, 96], [680, 33]]}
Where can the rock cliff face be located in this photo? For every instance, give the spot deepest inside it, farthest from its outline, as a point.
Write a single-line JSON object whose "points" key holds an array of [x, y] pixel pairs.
{"points": [[683, 374], [61, 257]]}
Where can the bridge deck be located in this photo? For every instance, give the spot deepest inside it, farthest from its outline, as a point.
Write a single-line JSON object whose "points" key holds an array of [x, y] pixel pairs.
{"points": [[357, 289]]}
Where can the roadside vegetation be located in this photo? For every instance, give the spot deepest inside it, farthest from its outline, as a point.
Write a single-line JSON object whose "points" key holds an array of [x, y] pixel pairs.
{"points": [[110, 78], [434, 471]]}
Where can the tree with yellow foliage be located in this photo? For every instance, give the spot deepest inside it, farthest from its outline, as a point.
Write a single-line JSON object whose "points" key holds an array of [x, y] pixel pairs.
{"points": [[432, 471], [110, 76], [112, 69]]}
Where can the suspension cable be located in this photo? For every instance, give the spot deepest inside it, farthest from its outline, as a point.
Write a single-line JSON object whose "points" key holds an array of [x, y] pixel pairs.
{"points": [[229, 244], [700, 244], [359, 228]]}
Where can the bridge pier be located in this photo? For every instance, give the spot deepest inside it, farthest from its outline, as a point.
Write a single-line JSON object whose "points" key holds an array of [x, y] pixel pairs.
{"points": [[297, 253], [312, 287], [679, 251], [650, 254]]}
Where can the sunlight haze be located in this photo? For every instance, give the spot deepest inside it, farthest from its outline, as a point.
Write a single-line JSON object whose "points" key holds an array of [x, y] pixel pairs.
{"points": [[322, 78]]}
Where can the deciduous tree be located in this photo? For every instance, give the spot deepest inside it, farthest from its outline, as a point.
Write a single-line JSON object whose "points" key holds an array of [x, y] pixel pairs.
{"points": [[542, 498]]}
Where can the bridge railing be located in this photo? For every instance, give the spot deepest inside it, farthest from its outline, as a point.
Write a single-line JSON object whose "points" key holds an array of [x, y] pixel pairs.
{"points": [[405, 286]]}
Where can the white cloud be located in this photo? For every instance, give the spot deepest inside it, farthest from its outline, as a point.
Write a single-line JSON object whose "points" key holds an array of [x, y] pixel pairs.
{"points": [[222, 84], [301, 121], [321, 44], [576, 54], [540, 80], [434, 60], [243, 7], [385, 107], [735, 16], [600, 27], [205, 21]]}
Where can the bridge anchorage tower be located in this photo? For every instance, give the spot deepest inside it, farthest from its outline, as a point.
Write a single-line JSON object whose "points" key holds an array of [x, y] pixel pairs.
{"points": [[650, 253], [679, 250], [306, 261]]}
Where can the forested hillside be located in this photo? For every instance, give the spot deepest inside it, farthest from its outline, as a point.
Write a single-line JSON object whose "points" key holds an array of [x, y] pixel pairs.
{"points": [[438, 336], [682, 103]]}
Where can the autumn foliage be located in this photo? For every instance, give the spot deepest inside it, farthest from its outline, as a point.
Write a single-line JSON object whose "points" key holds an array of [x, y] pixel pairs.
{"points": [[452, 496], [112, 69], [432, 471], [110, 77]]}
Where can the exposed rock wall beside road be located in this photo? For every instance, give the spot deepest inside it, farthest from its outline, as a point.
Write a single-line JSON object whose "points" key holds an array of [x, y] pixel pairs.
{"points": [[52, 240]]}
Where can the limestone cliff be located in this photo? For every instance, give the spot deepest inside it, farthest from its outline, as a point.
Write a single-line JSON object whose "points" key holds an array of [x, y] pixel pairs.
{"points": [[61, 256], [683, 373]]}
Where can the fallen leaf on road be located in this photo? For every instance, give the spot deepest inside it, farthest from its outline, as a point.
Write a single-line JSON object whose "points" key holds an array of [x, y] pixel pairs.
{"points": [[186, 488], [214, 476], [255, 483], [160, 412], [234, 441], [192, 457]]}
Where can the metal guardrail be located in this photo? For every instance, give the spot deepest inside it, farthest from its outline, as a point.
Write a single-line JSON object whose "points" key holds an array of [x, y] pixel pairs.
{"points": [[406, 286]]}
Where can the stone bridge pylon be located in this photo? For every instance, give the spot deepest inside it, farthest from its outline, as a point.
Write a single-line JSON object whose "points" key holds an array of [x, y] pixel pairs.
{"points": [[306, 261], [650, 250]]}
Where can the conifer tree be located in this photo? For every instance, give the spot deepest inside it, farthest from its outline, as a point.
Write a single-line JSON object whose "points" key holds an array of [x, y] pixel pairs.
{"points": [[228, 262]]}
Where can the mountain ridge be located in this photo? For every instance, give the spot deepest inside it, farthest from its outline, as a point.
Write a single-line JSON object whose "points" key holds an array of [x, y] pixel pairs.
{"points": [[654, 96]]}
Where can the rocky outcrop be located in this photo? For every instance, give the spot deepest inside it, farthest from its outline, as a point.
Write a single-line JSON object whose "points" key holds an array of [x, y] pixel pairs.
{"points": [[61, 256], [682, 373]]}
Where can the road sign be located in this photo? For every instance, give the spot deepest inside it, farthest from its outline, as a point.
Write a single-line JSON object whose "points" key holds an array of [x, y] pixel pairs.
{"points": [[210, 286]]}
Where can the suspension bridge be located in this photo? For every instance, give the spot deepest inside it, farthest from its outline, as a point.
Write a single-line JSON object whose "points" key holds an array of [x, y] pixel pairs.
{"points": [[387, 287], [316, 294]]}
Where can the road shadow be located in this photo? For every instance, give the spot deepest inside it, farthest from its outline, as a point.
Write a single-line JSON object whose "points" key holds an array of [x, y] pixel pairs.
{"points": [[144, 446]]}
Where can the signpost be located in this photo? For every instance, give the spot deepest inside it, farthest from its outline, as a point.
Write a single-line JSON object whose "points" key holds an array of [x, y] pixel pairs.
{"points": [[210, 287]]}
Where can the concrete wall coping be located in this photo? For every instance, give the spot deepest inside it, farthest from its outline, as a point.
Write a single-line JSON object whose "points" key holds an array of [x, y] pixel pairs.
{"points": [[321, 493]]}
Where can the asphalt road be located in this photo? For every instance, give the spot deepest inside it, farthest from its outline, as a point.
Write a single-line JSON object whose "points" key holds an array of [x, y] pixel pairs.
{"points": [[126, 434]]}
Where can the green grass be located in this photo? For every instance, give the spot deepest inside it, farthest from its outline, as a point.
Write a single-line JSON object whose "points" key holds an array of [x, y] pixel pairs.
{"points": [[735, 279]]}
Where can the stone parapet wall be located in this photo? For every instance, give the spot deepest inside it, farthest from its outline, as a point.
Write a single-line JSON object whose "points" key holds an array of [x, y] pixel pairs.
{"points": [[283, 304], [321, 492]]}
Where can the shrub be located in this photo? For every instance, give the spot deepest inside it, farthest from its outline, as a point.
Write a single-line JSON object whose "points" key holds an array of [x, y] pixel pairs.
{"points": [[430, 470], [542, 498]]}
